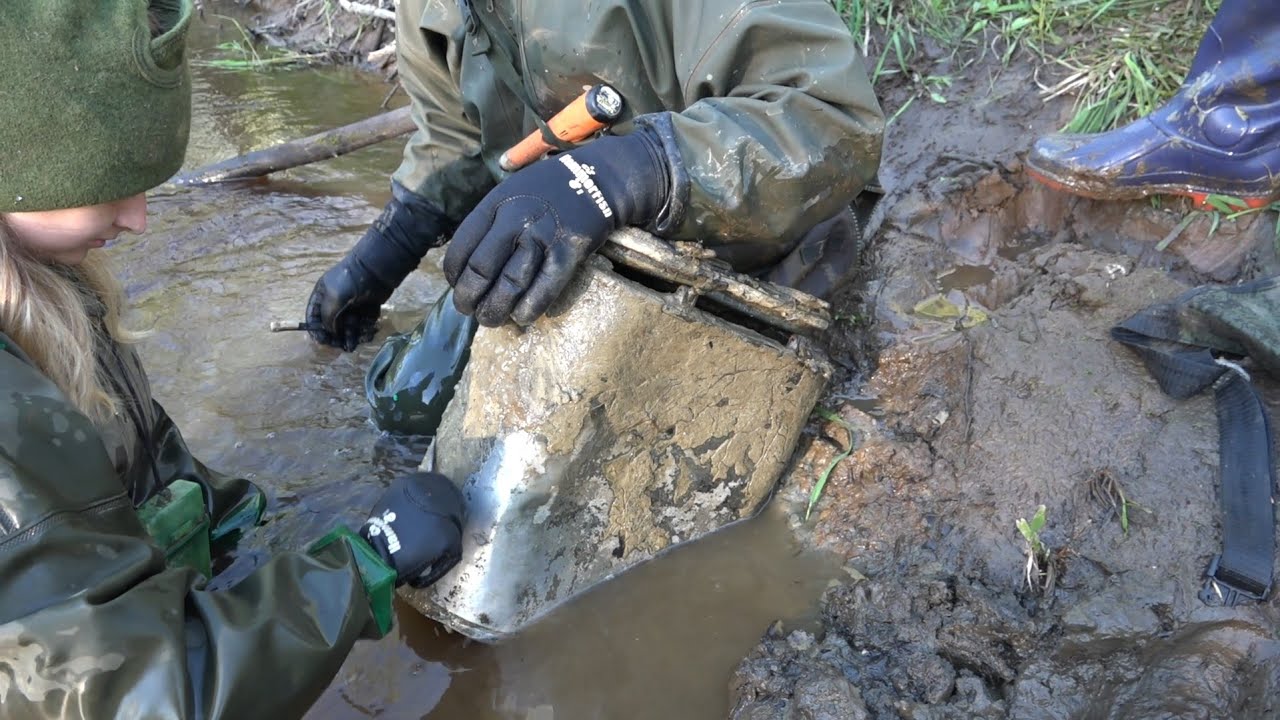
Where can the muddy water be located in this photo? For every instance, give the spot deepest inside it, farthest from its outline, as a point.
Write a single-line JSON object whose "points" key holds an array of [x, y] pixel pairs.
{"points": [[219, 264]]}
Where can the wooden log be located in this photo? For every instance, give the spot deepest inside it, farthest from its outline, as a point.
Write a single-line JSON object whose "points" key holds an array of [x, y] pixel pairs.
{"points": [[779, 306], [367, 10], [321, 146], [382, 54]]}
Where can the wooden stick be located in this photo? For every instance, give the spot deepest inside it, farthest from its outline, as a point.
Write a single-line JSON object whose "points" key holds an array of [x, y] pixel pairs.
{"points": [[289, 326], [380, 55], [369, 10], [776, 305], [321, 146]]}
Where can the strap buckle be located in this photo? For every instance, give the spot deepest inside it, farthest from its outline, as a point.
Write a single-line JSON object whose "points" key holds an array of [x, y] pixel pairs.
{"points": [[1231, 590]]}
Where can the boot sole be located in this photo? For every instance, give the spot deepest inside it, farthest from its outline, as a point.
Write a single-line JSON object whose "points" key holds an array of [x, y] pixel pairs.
{"points": [[1199, 198]]}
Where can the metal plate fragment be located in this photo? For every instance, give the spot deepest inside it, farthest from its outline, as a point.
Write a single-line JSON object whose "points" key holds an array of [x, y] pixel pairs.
{"points": [[622, 423]]}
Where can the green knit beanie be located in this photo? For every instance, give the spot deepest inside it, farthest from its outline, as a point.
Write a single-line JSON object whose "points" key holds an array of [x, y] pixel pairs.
{"points": [[92, 107]]}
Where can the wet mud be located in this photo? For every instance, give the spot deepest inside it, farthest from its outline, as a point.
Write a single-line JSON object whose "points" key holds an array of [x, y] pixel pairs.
{"points": [[981, 384]]}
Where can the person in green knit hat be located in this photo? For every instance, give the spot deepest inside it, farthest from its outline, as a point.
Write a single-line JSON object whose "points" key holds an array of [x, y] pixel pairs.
{"points": [[96, 621]]}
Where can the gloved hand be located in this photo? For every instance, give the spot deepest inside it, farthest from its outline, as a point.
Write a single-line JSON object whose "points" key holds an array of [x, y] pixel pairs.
{"points": [[416, 527], [517, 250], [346, 301]]}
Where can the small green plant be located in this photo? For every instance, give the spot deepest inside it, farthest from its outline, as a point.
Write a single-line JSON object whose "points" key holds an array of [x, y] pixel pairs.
{"points": [[1031, 531], [1109, 494], [821, 483], [852, 319], [1039, 570]]}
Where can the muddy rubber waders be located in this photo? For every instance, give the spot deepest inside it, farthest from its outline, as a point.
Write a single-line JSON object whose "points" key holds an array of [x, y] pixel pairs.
{"points": [[1218, 135], [1181, 343]]}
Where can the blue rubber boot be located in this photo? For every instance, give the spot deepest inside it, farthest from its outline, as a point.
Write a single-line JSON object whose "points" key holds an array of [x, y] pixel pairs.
{"points": [[1220, 134]]}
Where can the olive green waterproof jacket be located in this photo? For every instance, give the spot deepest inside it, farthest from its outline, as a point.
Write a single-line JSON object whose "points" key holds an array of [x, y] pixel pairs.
{"points": [[92, 622], [764, 108]]}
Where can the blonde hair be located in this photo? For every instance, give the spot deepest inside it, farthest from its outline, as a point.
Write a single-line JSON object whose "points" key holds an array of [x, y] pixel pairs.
{"points": [[45, 309]]}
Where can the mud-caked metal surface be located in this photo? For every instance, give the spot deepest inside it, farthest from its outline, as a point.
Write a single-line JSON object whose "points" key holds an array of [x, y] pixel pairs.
{"points": [[620, 425]]}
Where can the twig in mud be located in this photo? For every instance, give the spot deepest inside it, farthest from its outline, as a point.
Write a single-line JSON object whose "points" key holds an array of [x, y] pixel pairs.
{"points": [[1175, 232], [969, 401], [314, 148], [1107, 492], [395, 88]]}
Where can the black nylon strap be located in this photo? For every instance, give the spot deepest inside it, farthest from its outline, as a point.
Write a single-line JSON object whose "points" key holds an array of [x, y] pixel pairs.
{"points": [[481, 27], [1243, 569]]}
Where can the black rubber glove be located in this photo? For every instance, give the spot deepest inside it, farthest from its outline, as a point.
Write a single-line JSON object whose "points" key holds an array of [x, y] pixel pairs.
{"points": [[417, 527], [345, 304], [518, 249]]}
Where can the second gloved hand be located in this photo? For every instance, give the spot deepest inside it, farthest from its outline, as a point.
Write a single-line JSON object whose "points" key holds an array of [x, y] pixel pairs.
{"points": [[417, 527], [517, 250], [344, 305]]}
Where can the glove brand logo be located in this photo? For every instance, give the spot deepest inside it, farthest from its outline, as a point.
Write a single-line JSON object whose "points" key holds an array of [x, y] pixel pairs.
{"points": [[583, 183], [382, 526]]}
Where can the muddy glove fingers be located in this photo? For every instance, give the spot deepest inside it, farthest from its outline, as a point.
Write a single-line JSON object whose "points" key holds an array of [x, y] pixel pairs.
{"points": [[345, 304], [339, 315], [554, 275], [505, 258], [536, 228], [417, 527]]}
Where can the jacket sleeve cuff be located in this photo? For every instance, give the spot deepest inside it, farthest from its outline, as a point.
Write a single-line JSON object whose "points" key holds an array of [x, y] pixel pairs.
{"points": [[378, 578], [670, 217]]}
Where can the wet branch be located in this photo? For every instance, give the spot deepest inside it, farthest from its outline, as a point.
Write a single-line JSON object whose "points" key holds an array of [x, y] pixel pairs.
{"points": [[776, 305], [321, 146], [369, 10]]}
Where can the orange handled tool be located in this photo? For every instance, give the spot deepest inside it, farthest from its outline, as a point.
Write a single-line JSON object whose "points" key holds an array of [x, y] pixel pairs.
{"points": [[593, 111]]}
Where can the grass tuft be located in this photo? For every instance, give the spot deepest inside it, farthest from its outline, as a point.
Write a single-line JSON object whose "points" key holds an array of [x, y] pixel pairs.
{"points": [[1119, 59]]}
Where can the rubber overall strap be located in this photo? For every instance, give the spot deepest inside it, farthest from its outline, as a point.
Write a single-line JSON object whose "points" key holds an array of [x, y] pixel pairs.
{"points": [[1243, 569], [481, 28]]}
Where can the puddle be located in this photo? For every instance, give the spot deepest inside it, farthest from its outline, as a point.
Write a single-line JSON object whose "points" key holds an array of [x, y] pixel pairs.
{"points": [[963, 277], [872, 406], [660, 641], [1022, 244]]}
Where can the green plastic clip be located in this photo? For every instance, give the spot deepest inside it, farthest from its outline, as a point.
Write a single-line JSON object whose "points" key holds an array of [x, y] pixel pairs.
{"points": [[177, 521], [379, 579]]}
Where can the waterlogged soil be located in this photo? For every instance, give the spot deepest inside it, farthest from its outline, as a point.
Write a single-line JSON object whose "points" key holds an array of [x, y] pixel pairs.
{"points": [[1004, 394]]}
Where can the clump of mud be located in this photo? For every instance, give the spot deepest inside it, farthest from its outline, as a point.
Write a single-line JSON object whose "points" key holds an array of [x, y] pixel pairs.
{"points": [[927, 649], [950, 648], [982, 384]]}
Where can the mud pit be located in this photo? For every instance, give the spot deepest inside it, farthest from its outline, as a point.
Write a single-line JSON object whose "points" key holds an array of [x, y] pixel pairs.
{"points": [[966, 427]]}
